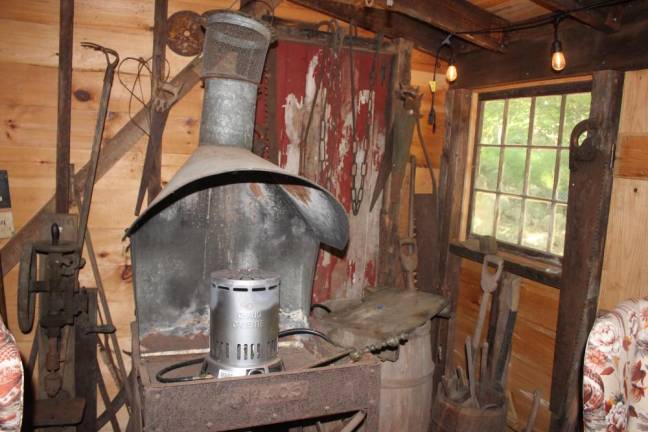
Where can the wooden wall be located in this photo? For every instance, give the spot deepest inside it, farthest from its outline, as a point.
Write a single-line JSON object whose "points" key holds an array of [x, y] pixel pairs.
{"points": [[28, 85], [626, 254]]}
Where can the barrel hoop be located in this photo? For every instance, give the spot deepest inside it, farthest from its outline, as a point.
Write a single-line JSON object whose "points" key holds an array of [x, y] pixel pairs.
{"points": [[406, 383]]}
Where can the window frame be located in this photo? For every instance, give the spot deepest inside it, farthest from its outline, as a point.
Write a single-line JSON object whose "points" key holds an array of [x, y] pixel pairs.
{"points": [[562, 89]]}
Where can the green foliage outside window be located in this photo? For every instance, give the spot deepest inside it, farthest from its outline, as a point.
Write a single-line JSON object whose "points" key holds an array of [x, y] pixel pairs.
{"points": [[522, 172]]}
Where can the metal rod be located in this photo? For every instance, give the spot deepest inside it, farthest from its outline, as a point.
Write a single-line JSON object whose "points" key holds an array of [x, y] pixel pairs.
{"points": [[94, 265], [103, 391], [64, 110], [96, 144]]}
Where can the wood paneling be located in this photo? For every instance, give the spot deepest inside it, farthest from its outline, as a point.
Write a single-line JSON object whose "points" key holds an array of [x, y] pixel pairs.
{"points": [[624, 274], [533, 339], [512, 10], [632, 156]]}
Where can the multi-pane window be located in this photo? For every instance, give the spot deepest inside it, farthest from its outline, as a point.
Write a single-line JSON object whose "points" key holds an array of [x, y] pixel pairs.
{"points": [[521, 175]]}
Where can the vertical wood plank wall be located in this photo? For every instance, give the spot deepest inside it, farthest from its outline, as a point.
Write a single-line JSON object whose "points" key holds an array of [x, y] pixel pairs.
{"points": [[626, 255], [28, 84]]}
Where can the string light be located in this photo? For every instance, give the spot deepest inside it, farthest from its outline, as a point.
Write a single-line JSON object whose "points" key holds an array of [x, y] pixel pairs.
{"points": [[558, 61], [451, 75], [451, 72]]}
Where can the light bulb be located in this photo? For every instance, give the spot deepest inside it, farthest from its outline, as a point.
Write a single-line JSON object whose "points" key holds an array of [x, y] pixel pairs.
{"points": [[558, 62], [451, 73]]}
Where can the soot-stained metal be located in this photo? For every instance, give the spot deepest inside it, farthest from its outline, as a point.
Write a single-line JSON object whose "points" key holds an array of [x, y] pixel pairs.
{"points": [[227, 208]]}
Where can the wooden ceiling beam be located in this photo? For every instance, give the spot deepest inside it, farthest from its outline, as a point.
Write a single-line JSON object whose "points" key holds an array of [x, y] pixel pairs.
{"points": [[586, 50], [392, 25], [604, 20], [450, 16]]}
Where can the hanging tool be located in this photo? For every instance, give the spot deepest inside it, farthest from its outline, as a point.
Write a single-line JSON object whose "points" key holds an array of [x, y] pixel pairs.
{"points": [[483, 364], [489, 282], [161, 100], [408, 249], [534, 411], [505, 350], [109, 75], [360, 147], [472, 378], [62, 298]]}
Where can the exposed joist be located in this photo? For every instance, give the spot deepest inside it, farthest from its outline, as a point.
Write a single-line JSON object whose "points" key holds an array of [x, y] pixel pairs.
{"points": [[587, 50], [392, 25], [607, 20], [449, 16]]}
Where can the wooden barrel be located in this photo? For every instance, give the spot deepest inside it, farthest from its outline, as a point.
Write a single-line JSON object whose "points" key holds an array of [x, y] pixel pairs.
{"points": [[406, 386], [451, 416]]}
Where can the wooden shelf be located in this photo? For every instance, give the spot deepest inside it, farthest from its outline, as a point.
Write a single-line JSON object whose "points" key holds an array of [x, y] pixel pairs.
{"points": [[534, 269]]}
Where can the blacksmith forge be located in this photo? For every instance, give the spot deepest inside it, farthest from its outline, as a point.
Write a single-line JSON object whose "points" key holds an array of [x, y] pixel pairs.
{"points": [[228, 209]]}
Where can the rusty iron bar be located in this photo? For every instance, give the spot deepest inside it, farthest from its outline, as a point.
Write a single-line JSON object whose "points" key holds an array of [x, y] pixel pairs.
{"points": [[151, 181], [98, 137], [105, 308], [64, 110]]}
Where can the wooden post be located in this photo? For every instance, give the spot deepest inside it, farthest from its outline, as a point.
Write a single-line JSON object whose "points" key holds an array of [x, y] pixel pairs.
{"points": [[451, 188], [66, 31], [590, 188], [151, 182], [401, 124]]}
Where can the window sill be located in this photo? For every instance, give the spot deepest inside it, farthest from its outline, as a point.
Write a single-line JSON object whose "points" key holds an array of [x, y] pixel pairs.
{"points": [[534, 269]]}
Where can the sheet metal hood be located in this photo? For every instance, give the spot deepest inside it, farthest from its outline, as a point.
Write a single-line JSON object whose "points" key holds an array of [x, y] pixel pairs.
{"points": [[227, 208], [214, 165]]}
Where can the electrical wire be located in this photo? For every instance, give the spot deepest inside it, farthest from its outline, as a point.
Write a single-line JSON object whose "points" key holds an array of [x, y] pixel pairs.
{"points": [[160, 375], [142, 65], [203, 375], [297, 331], [540, 21]]}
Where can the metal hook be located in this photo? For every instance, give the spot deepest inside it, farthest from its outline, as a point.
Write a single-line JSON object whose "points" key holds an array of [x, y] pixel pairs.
{"points": [[446, 41], [106, 51]]}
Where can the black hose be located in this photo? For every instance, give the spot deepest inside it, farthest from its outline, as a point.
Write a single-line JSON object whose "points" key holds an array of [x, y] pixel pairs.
{"points": [[160, 375], [296, 331]]}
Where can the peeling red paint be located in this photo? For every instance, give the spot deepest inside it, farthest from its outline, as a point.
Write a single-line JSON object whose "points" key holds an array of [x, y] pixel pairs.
{"points": [[370, 273], [351, 268], [334, 275]]}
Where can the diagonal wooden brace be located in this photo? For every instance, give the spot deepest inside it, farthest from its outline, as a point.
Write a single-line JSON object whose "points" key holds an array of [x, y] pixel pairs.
{"points": [[112, 151]]}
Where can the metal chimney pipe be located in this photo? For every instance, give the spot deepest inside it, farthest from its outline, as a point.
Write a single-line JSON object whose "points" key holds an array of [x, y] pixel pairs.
{"points": [[234, 53]]}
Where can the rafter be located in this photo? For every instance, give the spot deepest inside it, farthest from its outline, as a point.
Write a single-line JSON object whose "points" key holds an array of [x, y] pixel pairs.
{"points": [[447, 15], [586, 50], [603, 20], [392, 25]]}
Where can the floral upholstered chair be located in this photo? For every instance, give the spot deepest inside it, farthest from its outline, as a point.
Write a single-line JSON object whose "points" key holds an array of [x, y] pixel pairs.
{"points": [[615, 384], [11, 382]]}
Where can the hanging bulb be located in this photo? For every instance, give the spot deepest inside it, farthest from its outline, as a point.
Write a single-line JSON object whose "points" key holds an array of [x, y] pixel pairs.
{"points": [[451, 73], [558, 61]]}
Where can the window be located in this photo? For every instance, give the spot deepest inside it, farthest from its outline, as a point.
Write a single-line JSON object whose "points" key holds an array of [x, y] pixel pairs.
{"points": [[521, 171]]}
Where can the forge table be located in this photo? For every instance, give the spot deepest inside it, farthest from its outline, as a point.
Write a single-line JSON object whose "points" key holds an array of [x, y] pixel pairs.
{"points": [[243, 402]]}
